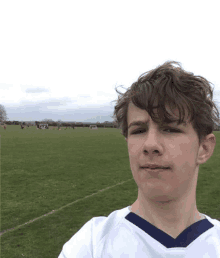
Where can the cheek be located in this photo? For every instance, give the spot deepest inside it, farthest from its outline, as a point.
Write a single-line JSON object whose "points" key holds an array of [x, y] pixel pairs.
{"points": [[133, 152], [134, 147], [183, 155]]}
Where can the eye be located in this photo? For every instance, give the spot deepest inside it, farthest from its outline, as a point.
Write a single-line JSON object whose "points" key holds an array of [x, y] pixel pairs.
{"points": [[136, 132], [171, 129], [174, 130]]}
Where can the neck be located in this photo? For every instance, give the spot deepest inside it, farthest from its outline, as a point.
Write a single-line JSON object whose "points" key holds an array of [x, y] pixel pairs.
{"points": [[171, 217]]}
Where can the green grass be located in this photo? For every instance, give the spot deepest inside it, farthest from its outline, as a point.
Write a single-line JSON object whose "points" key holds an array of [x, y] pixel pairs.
{"points": [[46, 170]]}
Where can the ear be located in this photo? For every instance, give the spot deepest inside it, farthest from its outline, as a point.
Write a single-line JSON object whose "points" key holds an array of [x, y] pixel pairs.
{"points": [[206, 149]]}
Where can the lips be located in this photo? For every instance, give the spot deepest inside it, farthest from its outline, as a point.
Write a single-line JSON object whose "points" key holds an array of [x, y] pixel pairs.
{"points": [[155, 171], [155, 168]]}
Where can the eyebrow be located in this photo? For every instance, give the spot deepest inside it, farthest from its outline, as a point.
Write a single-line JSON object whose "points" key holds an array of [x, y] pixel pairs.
{"points": [[146, 122]]}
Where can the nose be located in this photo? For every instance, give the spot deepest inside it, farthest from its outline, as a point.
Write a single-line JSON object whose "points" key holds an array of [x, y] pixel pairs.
{"points": [[152, 143]]}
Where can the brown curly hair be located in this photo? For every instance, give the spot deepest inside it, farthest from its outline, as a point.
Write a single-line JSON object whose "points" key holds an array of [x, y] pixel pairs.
{"points": [[174, 87]]}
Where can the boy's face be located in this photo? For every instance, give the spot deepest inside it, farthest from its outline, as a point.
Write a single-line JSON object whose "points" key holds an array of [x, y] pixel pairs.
{"points": [[178, 150]]}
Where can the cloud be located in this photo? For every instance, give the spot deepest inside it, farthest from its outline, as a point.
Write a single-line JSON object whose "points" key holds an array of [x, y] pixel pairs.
{"points": [[36, 90]]}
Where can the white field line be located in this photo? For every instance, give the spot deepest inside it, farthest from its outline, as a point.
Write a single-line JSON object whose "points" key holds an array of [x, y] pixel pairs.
{"points": [[53, 211]]}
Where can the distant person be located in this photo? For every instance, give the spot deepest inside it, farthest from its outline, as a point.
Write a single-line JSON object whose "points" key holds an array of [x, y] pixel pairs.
{"points": [[168, 127]]}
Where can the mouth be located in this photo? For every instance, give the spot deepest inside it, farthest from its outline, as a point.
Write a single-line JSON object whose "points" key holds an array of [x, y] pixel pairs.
{"points": [[156, 169]]}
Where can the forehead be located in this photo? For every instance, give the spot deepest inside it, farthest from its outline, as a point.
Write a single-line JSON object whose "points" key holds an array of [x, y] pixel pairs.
{"points": [[135, 113]]}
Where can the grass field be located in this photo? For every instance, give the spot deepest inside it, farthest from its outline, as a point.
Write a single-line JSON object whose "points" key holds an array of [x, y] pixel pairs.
{"points": [[51, 184]]}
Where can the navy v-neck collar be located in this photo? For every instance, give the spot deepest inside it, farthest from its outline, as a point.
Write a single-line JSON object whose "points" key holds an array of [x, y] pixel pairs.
{"points": [[183, 239]]}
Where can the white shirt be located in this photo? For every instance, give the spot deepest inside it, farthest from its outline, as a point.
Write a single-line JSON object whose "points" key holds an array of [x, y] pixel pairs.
{"points": [[125, 234]]}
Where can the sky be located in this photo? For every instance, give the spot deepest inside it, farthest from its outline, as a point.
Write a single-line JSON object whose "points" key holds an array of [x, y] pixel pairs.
{"points": [[62, 60]]}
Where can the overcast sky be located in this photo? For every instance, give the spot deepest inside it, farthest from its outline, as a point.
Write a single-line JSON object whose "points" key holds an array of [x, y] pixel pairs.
{"points": [[61, 60]]}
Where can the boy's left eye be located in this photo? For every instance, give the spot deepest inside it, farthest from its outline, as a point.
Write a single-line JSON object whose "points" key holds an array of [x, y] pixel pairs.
{"points": [[171, 129]]}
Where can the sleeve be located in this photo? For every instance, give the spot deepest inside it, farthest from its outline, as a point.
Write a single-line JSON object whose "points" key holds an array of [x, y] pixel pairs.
{"points": [[80, 245]]}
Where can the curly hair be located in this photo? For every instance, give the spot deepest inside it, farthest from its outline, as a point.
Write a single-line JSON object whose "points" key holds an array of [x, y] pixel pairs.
{"points": [[177, 89]]}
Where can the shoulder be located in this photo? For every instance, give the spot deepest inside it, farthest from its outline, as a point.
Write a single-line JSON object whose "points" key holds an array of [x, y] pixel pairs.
{"points": [[83, 242], [215, 225]]}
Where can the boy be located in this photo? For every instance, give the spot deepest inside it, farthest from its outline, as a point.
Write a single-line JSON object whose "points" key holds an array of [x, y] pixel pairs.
{"points": [[167, 120]]}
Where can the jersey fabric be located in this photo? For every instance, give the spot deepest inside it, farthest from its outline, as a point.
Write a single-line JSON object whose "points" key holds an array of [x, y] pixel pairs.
{"points": [[124, 234]]}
